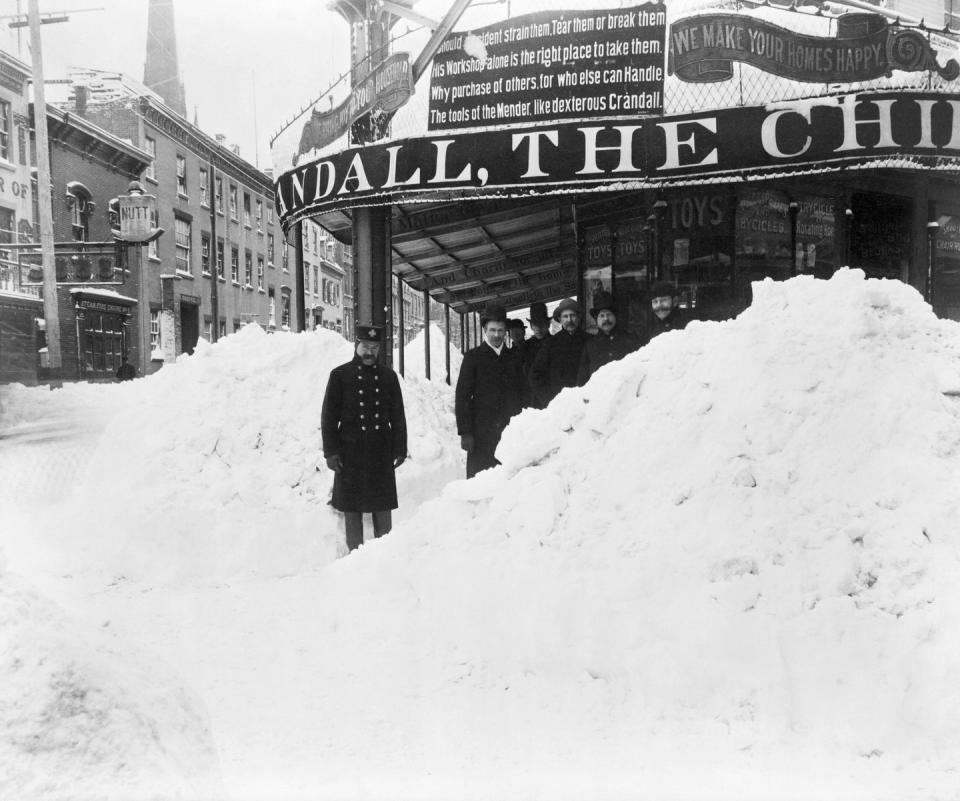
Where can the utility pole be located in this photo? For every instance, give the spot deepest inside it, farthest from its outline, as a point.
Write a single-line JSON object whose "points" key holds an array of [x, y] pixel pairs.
{"points": [[51, 311]]}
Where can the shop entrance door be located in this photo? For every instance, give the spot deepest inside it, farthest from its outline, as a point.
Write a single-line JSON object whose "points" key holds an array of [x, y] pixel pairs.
{"points": [[189, 326]]}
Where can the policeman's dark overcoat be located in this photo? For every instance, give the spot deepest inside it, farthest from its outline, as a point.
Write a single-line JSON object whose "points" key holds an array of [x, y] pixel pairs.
{"points": [[489, 392], [557, 364], [362, 422], [604, 348]]}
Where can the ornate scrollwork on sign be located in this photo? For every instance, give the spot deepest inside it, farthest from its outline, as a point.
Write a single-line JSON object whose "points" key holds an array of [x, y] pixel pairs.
{"points": [[910, 51]]}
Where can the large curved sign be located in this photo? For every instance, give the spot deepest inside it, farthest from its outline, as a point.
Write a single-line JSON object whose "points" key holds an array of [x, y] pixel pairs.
{"points": [[804, 135]]}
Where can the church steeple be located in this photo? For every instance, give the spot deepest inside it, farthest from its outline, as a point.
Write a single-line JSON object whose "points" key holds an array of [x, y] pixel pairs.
{"points": [[161, 72]]}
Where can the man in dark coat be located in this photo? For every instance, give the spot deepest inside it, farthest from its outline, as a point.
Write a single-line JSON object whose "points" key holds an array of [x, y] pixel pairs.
{"points": [[540, 327], [364, 432], [488, 392], [126, 371], [665, 314], [517, 333], [609, 344], [558, 361]]}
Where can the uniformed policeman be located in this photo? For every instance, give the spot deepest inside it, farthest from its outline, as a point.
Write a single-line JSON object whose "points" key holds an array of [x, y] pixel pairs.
{"points": [[364, 434]]}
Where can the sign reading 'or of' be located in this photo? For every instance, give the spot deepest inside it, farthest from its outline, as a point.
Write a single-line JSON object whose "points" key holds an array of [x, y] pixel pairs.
{"points": [[551, 66]]}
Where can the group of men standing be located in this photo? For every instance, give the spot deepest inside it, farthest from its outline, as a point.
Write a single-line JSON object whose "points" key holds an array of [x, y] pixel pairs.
{"points": [[363, 425], [508, 372]]}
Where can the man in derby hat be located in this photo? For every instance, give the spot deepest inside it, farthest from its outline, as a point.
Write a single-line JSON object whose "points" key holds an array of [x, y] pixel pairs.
{"points": [[558, 361], [517, 333], [540, 329], [488, 392], [610, 342], [665, 314], [364, 433]]}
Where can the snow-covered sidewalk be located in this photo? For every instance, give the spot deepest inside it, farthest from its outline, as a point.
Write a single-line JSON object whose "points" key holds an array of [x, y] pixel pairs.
{"points": [[727, 568]]}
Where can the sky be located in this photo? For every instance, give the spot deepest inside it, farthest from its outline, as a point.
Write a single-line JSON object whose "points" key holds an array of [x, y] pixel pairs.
{"points": [[246, 67]]}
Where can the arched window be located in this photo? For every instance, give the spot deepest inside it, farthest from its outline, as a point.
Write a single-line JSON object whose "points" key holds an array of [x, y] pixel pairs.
{"points": [[81, 207]]}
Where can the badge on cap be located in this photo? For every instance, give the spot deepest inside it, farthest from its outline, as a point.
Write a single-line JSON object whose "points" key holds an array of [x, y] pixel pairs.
{"points": [[369, 333]]}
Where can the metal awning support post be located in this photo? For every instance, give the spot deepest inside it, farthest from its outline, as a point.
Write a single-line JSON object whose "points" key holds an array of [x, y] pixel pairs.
{"points": [[426, 332], [401, 337], [933, 228], [446, 337]]}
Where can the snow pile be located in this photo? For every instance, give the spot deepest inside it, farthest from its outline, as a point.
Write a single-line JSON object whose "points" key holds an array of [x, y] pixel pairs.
{"points": [[211, 464], [80, 721], [414, 358], [729, 563]]}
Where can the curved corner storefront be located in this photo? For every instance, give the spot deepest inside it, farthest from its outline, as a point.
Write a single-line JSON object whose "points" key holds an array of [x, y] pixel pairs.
{"points": [[564, 152]]}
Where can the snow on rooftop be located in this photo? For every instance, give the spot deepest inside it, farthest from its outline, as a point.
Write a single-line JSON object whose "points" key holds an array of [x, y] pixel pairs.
{"points": [[727, 567], [108, 294]]}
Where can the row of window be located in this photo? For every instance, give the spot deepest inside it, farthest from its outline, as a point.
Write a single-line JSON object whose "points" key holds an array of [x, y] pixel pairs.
{"points": [[256, 212], [183, 238], [327, 288], [156, 342]]}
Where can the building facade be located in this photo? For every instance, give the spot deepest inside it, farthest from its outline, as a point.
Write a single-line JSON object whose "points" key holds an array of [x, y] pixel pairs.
{"points": [[323, 280], [20, 305], [222, 261], [100, 282]]}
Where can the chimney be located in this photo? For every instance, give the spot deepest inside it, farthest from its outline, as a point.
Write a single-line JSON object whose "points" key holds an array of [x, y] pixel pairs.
{"points": [[221, 139], [161, 72], [268, 171]]}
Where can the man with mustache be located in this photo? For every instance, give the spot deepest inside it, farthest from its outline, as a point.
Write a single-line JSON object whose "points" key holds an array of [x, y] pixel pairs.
{"points": [[665, 314], [364, 433], [558, 360], [609, 344]]}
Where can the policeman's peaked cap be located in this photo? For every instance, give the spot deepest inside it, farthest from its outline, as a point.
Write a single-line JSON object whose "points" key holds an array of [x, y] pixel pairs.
{"points": [[369, 333]]}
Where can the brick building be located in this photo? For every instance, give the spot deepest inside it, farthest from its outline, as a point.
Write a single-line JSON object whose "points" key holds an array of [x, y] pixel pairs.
{"points": [[323, 280], [223, 261], [101, 292]]}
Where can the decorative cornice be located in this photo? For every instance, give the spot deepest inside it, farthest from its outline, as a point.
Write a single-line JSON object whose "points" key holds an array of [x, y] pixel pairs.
{"points": [[203, 145]]}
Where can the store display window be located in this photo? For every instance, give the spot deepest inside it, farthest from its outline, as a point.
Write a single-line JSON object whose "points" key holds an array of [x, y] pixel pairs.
{"points": [[880, 232]]}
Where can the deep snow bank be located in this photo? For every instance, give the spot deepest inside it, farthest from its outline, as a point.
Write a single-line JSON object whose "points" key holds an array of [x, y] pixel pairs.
{"points": [[84, 718], [415, 358], [728, 564], [211, 463]]}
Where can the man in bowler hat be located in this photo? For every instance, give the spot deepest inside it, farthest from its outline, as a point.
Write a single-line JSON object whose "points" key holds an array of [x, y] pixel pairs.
{"points": [[558, 360], [610, 343], [488, 392], [665, 314], [364, 433], [540, 333]]}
